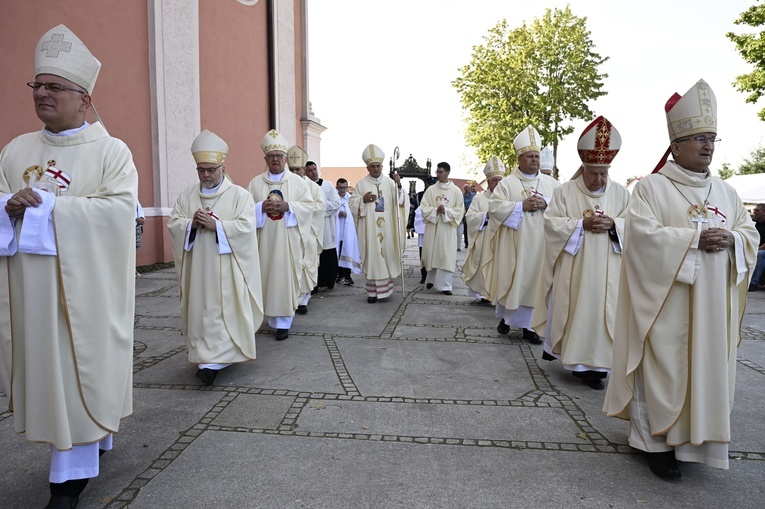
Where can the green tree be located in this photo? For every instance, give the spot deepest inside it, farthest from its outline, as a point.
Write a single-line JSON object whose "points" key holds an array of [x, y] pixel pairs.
{"points": [[543, 74], [752, 50], [754, 164], [725, 172]]}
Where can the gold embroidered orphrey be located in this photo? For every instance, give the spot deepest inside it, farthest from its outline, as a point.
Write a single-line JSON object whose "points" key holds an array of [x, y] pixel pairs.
{"points": [[36, 169], [590, 212], [695, 211]]}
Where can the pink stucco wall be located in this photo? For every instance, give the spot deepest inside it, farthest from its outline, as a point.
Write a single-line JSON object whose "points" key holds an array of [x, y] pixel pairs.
{"points": [[233, 65]]}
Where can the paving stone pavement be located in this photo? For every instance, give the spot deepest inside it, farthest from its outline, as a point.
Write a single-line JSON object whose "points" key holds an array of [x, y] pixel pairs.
{"points": [[413, 402]]}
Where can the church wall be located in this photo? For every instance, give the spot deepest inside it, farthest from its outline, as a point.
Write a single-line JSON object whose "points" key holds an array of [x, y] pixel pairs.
{"points": [[116, 33], [170, 68], [234, 85]]}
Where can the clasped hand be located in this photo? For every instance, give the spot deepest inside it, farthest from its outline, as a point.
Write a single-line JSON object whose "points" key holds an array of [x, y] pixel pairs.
{"points": [[534, 203], [715, 239], [275, 206], [597, 224], [203, 219], [18, 203]]}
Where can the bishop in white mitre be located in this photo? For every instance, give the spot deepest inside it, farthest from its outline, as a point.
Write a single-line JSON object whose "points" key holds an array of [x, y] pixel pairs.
{"points": [[215, 249]]}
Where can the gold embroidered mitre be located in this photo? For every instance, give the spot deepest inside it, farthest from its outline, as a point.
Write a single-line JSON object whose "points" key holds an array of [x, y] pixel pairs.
{"points": [[693, 113], [208, 147], [372, 154], [599, 143]]}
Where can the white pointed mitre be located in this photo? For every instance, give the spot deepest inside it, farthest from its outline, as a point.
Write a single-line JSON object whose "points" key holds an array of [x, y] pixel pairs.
{"points": [[599, 143], [693, 113], [296, 157], [61, 53], [546, 159], [528, 140], [273, 141], [208, 147], [373, 154], [493, 168]]}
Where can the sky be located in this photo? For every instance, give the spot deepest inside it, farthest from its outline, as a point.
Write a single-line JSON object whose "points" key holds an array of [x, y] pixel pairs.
{"points": [[381, 72]]}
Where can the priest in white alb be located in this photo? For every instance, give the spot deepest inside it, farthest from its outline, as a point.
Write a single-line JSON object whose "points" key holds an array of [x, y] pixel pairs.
{"points": [[348, 255], [380, 210], [442, 210], [215, 249], [328, 244], [513, 268], [68, 196], [477, 221], [584, 225], [283, 213], [690, 247]]}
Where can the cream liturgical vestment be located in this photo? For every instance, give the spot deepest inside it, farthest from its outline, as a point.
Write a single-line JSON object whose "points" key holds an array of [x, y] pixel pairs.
{"points": [[221, 302], [312, 243], [66, 321], [281, 245], [583, 269], [381, 228], [680, 308], [477, 221], [515, 259], [439, 246]]}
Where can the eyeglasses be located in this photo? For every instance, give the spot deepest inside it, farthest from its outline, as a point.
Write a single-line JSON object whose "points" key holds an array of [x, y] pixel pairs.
{"points": [[209, 171], [700, 139], [52, 87], [274, 156]]}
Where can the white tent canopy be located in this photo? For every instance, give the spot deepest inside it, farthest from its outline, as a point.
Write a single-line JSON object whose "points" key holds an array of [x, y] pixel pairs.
{"points": [[751, 188]]}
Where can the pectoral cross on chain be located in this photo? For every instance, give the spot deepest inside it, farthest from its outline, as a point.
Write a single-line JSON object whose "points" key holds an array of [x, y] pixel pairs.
{"points": [[700, 221]]}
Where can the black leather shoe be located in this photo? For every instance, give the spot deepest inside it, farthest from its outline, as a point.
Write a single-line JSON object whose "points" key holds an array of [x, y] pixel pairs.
{"points": [[422, 280], [282, 334], [371, 300], [429, 286], [531, 336], [349, 281], [302, 309], [207, 375], [547, 357], [62, 502], [315, 291], [664, 465], [503, 328], [595, 383], [447, 292], [753, 288]]}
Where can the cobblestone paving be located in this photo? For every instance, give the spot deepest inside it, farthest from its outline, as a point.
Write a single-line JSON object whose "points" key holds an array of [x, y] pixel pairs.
{"points": [[542, 393]]}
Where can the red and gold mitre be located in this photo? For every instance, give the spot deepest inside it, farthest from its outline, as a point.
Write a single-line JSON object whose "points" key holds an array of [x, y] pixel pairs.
{"points": [[599, 143]]}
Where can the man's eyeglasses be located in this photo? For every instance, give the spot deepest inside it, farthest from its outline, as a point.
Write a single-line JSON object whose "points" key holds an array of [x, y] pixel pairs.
{"points": [[52, 87], [275, 156], [209, 171], [700, 139]]}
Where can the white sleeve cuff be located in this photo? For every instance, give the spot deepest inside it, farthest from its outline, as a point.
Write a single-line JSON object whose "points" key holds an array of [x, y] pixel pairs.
{"points": [[574, 243], [37, 236], [514, 219], [223, 245]]}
